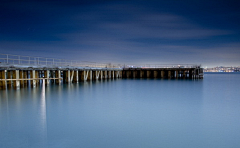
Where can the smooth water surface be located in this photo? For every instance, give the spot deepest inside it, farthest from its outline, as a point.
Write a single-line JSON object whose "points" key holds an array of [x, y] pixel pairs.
{"points": [[124, 113]]}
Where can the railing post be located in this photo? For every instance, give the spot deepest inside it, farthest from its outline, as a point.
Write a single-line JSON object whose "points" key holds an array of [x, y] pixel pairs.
{"points": [[7, 58]]}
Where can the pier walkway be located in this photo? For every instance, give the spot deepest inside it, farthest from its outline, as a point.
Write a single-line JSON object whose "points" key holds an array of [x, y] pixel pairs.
{"points": [[22, 71]]}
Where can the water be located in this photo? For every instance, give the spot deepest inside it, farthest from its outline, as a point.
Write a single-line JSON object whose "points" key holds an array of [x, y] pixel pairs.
{"points": [[149, 113]]}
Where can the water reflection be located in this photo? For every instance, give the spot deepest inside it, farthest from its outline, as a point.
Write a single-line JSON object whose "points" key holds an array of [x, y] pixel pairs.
{"points": [[43, 108], [119, 113], [4, 109], [43, 115]]}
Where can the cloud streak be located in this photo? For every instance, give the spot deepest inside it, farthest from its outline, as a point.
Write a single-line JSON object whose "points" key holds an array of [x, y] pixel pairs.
{"points": [[118, 31]]}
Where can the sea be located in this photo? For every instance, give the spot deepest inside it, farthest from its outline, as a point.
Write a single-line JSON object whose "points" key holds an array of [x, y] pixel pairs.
{"points": [[124, 113]]}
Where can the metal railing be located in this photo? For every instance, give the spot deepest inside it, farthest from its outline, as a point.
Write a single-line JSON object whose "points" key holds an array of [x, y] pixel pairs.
{"points": [[29, 60], [163, 66], [9, 59]]}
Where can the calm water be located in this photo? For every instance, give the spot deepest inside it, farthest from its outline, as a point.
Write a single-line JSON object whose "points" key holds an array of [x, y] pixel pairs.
{"points": [[149, 113]]}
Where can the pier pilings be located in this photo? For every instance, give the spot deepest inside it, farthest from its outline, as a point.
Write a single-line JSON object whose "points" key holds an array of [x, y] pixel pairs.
{"points": [[18, 78], [165, 73], [32, 77]]}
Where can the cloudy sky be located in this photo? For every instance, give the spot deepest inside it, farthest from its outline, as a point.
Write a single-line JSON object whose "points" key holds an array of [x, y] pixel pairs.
{"points": [[203, 32]]}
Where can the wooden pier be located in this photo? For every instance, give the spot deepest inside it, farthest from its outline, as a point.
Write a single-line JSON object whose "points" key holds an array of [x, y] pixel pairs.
{"points": [[165, 73], [22, 71], [17, 78]]}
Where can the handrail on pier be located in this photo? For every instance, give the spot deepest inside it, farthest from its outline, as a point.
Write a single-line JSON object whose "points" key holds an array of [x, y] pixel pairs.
{"points": [[163, 66], [28, 60], [8, 59]]}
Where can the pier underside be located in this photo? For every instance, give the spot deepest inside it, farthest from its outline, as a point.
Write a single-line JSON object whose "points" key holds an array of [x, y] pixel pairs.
{"points": [[166, 73]]}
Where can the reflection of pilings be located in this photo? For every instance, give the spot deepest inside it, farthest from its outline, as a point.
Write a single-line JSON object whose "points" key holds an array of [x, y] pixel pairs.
{"points": [[43, 115]]}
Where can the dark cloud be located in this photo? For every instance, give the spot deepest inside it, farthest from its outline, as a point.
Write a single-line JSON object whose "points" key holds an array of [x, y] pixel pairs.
{"points": [[123, 31]]}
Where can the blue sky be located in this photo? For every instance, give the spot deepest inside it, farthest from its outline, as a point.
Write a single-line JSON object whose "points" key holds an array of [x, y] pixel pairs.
{"points": [[203, 32]]}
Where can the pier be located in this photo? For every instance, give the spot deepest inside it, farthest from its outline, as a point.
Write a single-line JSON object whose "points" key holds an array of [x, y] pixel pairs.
{"points": [[25, 71], [173, 71]]}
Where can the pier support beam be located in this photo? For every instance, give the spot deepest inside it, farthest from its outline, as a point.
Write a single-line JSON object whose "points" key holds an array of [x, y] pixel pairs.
{"points": [[89, 75], [176, 74], [71, 76], [58, 75], [128, 74], [96, 75], [101, 74], [109, 74], [117, 74], [169, 74], [9, 76], [148, 74], [37, 76], [68, 76], [3, 84], [120, 74], [21, 77], [75, 77], [113, 74], [105, 74], [162, 74], [46, 75], [25, 76], [190, 74], [32, 75], [83, 75], [134, 74], [184, 74], [141, 74], [86, 75], [16, 83], [155, 74]]}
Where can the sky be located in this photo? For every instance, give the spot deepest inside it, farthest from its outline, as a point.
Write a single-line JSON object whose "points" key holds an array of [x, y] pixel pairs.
{"points": [[205, 32]]}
